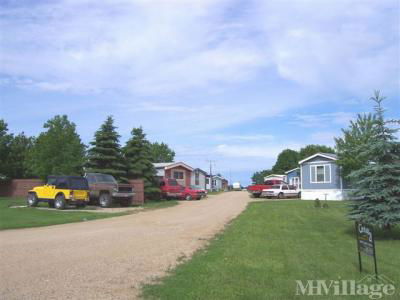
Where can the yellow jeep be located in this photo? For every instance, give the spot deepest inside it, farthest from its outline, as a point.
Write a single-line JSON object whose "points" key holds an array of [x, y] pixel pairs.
{"points": [[61, 191]]}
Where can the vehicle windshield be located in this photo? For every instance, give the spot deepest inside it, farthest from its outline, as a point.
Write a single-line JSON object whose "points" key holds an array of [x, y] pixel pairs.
{"points": [[79, 184], [104, 178], [276, 187], [172, 182], [51, 181]]}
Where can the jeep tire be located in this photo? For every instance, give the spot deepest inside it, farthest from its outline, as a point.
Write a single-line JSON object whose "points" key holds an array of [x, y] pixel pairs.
{"points": [[105, 200], [188, 197], [32, 200], [59, 203]]}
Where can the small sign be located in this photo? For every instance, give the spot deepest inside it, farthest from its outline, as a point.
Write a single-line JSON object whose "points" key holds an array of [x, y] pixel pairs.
{"points": [[365, 239], [366, 243]]}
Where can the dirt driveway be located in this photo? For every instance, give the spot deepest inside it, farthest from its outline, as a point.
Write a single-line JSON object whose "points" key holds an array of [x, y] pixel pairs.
{"points": [[108, 258]]}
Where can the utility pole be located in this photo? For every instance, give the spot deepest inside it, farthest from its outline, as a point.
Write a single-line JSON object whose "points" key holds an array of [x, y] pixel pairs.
{"points": [[211, 178]]}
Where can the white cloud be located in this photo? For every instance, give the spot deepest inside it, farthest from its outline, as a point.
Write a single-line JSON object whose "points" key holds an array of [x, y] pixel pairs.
{"points": [[153, 47], [244, 137], [323, 119], [270, 151]]}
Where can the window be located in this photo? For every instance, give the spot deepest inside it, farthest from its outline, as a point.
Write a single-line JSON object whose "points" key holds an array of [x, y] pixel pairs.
{"points": [[320, 173], [91, 179], [284, 187], [79, 184], [196, 178], [207, 181], [178, 175]]}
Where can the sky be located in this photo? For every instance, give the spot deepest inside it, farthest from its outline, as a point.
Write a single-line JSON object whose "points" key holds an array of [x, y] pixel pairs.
{"points": [[234, 82]]}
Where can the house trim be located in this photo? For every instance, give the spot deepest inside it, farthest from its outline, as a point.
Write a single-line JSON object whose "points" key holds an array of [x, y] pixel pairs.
{"points": [[315, 155], [287, 172], [321, 165]]}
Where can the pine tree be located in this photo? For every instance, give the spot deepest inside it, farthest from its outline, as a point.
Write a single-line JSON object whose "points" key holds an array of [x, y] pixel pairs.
{"points": [[139, 166], [105, 155], [377, 183]]}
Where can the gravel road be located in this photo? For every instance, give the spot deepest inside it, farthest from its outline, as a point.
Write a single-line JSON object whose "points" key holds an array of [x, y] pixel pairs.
{"points": [[109, 258]]}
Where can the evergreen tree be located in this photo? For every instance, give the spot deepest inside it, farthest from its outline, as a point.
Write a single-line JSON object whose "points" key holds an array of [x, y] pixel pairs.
{"points": [[378, 181], [57, 151], [138, 157], [160, 152], [105, 155]]}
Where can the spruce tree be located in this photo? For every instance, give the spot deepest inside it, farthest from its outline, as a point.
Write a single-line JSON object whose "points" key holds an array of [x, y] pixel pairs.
{"points": [[105, 155], [139, 165], [377, 183]]}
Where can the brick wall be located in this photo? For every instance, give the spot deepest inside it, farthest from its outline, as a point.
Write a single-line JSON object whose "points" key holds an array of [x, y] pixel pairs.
{"points": [[18, 187], [138, 187]]}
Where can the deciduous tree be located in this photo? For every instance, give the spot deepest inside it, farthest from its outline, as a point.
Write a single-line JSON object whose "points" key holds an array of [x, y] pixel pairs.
{"points": [[58, 150], [288, 159], [161, 152]]}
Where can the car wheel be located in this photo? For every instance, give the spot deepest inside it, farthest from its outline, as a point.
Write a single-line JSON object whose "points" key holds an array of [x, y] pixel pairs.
{"points": [[126, 202], [188, 197], [299, 195], [59, 203], [280, 196], [105, 200], [51, 203], [32, 200]]}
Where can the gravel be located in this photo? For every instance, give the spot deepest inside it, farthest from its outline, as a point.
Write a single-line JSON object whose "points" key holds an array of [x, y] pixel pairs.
{"points": [[109, 258]]}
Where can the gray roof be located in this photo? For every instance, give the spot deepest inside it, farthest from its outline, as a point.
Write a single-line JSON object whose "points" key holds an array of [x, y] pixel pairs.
{"points": [[334, 156]]}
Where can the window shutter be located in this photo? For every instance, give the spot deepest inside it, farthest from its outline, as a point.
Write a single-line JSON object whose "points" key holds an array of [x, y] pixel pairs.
{"points": [[313, 174], [328, 173]]}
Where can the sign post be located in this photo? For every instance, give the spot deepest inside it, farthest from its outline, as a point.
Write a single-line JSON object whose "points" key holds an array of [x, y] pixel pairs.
{"points": [[366, 243]]}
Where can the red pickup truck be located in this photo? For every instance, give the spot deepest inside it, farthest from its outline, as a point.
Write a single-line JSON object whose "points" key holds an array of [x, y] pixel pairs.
{"points": [[171, 189], [257, 189]]}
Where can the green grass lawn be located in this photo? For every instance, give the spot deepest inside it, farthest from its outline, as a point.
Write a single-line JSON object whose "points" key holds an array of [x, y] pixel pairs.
{"points": [[11, 218], [267, 248]]}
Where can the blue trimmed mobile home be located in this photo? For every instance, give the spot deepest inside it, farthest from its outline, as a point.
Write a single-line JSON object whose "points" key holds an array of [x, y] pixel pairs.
{"points": [[321, 178]]}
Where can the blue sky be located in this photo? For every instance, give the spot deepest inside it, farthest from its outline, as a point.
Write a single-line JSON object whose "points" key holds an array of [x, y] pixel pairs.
{"points": [[231, 81]]}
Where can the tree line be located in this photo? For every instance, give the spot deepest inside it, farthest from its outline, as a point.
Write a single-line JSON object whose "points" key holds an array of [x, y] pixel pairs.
{"points": [[288, 159], [59, 150], [369, 158]]}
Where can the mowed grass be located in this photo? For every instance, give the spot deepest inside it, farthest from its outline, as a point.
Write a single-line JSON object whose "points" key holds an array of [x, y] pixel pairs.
{"points": [[267, 248], [12, 218]]}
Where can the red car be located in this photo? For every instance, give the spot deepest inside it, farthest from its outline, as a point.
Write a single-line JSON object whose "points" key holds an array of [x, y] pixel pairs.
{"points": [[171, 189], [257, 189]]}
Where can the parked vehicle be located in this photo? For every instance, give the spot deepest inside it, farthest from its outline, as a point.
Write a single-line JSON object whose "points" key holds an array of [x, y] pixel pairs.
{"points": [[281, 191], [170, 189], [236, 186], [60, 191], [202, 192], [256, 189], [105, 190]]}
